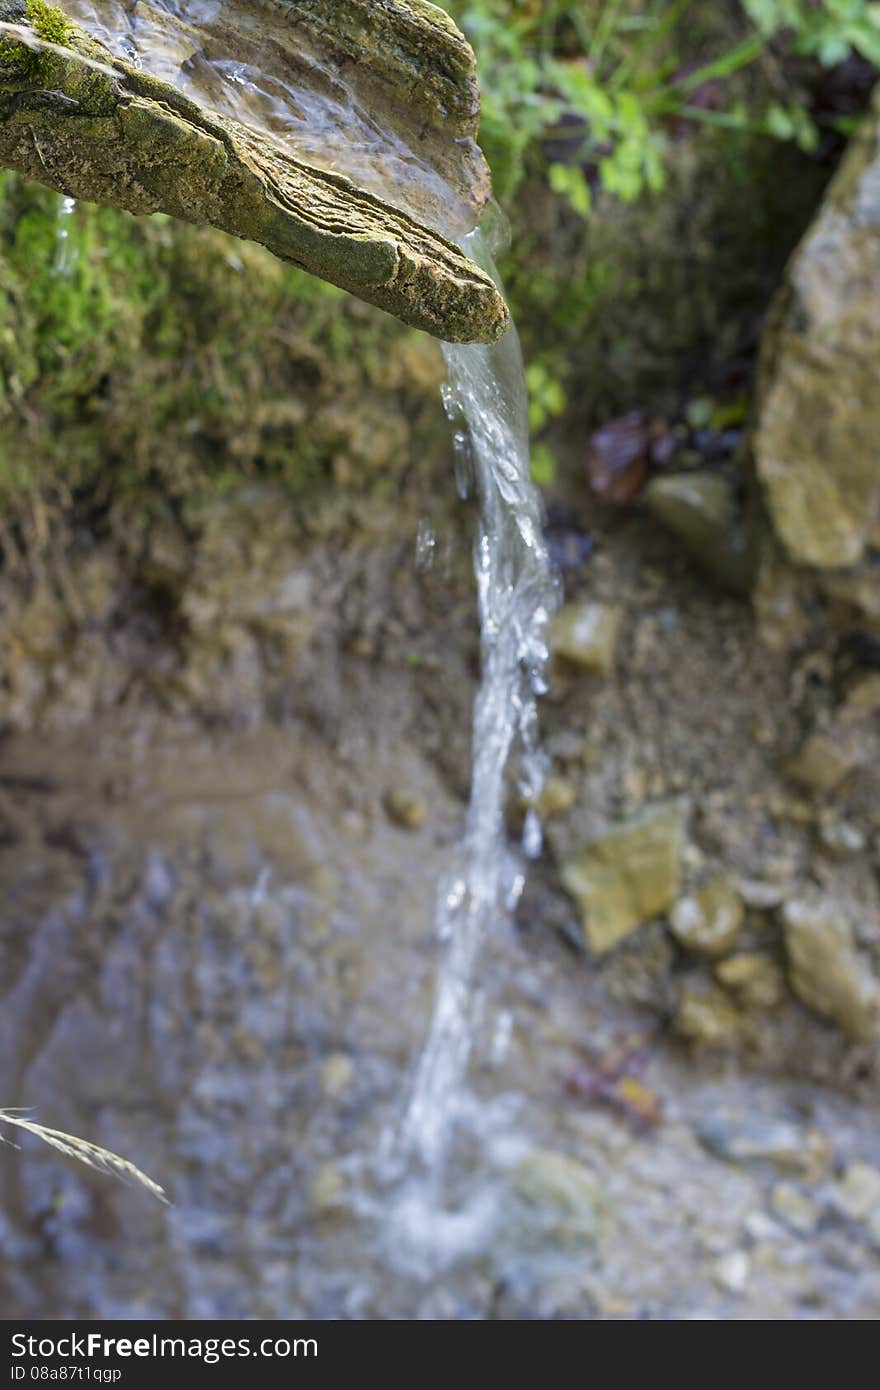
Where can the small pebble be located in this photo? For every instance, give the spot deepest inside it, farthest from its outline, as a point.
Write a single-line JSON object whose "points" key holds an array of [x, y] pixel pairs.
{"points": [[585, 634], [408, 811], [731, 1272], [857, 1195], [337, 1074], [794, 1208], [325, 1190]]}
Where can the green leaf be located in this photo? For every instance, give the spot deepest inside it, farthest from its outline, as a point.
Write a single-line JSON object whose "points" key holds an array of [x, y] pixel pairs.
{"points": [[543, 466], [570, 181]]}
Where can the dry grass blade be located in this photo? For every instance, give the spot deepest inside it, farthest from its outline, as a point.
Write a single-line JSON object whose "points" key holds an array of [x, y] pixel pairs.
{"points": [[90, 1154]]}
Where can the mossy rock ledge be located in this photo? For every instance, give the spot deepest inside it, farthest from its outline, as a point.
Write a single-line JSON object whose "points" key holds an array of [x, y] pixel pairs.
{"points": [[77, 118]]}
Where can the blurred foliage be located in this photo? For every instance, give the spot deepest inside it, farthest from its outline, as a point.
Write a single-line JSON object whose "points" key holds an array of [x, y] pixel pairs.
{"points": [[597, 91], [593, 99], [829, 31]]}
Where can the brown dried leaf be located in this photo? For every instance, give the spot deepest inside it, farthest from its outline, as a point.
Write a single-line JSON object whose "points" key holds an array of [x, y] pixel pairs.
{"points": [[618, 456]]}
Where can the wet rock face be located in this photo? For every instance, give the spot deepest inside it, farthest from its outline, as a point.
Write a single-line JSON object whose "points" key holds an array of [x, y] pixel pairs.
{"points": [[816, 450]]}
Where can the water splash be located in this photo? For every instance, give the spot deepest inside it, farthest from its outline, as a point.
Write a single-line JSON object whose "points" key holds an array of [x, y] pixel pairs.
{"points": [[65, 252], [426, 547]]}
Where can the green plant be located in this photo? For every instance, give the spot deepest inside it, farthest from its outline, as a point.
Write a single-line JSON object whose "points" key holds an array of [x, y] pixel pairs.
{"points": [[547, 401], [543, 465], [225, 343], [591, 93], [829, 31], [547, 397]]}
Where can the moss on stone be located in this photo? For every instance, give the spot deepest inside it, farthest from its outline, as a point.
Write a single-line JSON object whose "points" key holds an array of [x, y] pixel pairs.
{"points": [[132, 141], [48, 23], [43, 82], [145, 365]]}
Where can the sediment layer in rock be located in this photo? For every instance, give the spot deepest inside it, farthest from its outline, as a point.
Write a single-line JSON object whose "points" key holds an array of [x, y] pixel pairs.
{"points": [[77, 118]]}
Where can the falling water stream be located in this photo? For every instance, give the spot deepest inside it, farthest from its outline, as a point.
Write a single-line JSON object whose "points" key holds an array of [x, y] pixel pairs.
{"points": [[516, 595], [213, 952], [486, 398]]}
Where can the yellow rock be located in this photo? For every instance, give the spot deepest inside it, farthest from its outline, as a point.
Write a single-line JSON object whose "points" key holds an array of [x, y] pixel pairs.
{"points": [[827, 971], [557, 796], [840, 837], [795, 1208], [822, 763], [585, 634], [628, 876], [408, 811], [710, 920], [706, 1017], [568, 1195], [753, 978], [326, 1190], [863, 698], [337, 1074], [699, 508], [857, 1194], [815, 440]]}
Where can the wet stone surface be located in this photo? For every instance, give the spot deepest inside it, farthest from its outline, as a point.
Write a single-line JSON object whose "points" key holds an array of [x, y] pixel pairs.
{"points": [[200, 961]]}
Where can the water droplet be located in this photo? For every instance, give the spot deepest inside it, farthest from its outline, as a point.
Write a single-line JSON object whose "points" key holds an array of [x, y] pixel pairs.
{"points": [[455, 895], [500, 1045], [426, 547], [538, 683], [463, 463], [514, 891], [451, 401], [532, 836], [65, 256]]}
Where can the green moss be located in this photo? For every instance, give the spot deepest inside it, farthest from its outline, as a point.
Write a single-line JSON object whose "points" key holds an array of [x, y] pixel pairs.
{"points": [[47, 69], [32, 64], [50, 24], [145, 364], [15, 57]]}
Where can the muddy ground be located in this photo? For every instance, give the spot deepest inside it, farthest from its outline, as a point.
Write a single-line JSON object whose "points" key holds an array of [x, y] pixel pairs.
{"points": [[217, 954]]}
